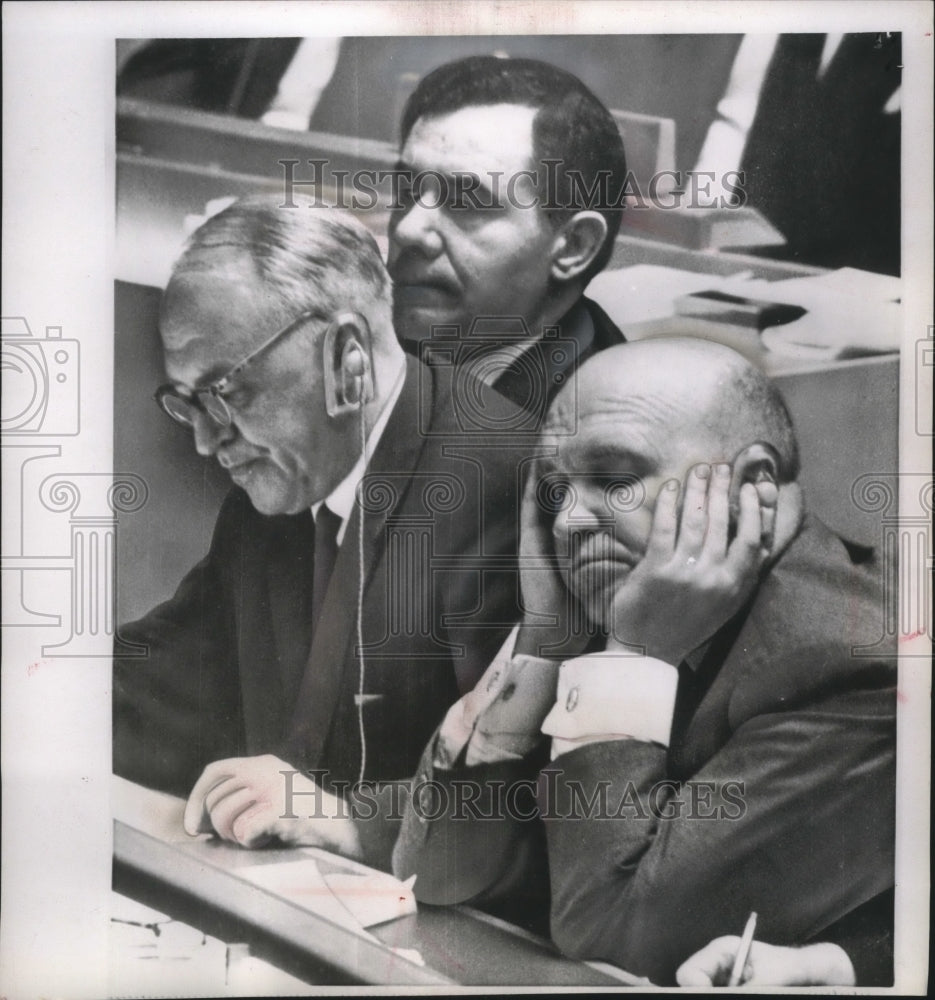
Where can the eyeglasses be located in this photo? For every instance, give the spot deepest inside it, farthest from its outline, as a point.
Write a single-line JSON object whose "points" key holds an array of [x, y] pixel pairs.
{"points": [[210, 398]]}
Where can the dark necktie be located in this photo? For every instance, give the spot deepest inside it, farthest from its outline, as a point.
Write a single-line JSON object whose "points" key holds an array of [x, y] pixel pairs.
{"points": [[327, 524]]}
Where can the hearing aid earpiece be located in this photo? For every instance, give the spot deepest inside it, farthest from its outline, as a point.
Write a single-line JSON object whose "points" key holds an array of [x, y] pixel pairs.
{"points": [[352, 365], [354, 361], [348, 381]]}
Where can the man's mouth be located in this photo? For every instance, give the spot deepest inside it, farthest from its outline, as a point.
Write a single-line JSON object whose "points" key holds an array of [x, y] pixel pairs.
{"points": [[412, 274], [239, 471], [416, 291], [596, 547]]}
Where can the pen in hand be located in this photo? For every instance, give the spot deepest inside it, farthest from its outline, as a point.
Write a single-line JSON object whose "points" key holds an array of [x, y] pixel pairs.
{"points": [[743, 951]]}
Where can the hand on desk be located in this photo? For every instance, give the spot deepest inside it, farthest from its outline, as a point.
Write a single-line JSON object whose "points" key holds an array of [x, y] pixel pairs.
{"points": [[823, 964], [244, 799]]}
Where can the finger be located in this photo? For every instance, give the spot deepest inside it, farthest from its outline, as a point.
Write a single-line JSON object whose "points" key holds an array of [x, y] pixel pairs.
{"points": [[745, 556], [662, 536], [196, 818], [715, 543], [220, 792], [768, 495], [225, 813], [531, 512], [694, 512], [711, 966], [254, 827], [535, 519]]}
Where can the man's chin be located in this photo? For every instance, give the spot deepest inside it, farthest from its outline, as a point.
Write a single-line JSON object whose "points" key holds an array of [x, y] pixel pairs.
{"points": [[414, 323], [595, 587], [272, 501]]}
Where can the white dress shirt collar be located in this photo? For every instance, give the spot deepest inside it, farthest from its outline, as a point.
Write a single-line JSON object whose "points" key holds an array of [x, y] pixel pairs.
{"points": [[341, 499]]}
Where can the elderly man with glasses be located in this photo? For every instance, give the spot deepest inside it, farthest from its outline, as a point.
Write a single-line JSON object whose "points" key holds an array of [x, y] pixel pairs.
{"points": [[363, 568]]}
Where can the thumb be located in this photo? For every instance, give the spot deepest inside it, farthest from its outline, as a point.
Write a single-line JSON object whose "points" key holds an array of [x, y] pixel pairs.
{"points": [[711, 965]]}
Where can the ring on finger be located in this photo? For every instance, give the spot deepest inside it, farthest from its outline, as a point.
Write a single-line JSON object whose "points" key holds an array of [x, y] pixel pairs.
{"points": [[691, 560]]}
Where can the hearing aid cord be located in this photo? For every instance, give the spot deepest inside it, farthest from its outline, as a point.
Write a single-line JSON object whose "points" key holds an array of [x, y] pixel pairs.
{"points": [[358, 380]]}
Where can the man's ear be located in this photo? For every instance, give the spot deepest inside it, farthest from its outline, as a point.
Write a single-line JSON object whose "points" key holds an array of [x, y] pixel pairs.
{"points": [[347, 364], [757, 463], [576, 244]]}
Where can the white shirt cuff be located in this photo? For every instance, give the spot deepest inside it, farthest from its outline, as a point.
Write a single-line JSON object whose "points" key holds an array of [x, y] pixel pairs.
{"points": [[498, 720], [612, 696]]}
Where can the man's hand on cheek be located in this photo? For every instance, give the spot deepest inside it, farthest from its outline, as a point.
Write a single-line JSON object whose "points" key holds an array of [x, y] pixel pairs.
{"points": [[254, 800], [693, 577], [548, 629]]}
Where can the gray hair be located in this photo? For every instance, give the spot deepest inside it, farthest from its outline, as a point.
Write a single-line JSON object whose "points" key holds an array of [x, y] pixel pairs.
{"points": [[310, 257]]}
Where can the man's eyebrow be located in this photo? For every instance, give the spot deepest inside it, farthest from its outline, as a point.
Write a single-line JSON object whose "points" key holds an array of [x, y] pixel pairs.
{"points": [[609, 458], [453, 179], [202, 382]]}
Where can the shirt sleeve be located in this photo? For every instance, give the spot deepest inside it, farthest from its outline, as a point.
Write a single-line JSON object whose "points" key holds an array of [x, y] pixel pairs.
{"points": [[499, 719], [612, 696]]}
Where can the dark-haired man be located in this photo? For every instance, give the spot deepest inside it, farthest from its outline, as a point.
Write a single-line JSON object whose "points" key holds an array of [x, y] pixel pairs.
{"points": [[516, 175], [725, 742]]}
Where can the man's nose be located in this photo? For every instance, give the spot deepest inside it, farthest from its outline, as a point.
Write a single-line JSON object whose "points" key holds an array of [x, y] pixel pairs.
{"points": [[584, 513], [576, 520], [209, 434], [417, 228]]}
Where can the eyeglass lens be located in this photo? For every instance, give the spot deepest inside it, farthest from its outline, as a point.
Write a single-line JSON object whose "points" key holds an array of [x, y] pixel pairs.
{"points": [[183, 410]]}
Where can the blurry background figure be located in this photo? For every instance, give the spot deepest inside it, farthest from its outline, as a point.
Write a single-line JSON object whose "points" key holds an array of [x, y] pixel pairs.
{"points": [[301, 86], [373, 76], [814, 121], [278, 80]]}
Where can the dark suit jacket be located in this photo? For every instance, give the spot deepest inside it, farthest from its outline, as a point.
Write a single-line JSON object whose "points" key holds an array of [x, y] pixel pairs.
{"points": [[532, 382], [779, 704], [818, 147], [606, 331], [233, 668]]}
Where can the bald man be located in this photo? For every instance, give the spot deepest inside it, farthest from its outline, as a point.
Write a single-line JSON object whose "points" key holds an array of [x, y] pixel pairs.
{"points": [[689, 645]]}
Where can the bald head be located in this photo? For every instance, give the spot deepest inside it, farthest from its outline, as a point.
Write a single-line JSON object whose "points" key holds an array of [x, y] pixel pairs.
{"points": [[685, 397]]}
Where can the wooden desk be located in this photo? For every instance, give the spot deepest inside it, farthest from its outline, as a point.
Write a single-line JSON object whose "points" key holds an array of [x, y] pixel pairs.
{"points": [[197, 881]]}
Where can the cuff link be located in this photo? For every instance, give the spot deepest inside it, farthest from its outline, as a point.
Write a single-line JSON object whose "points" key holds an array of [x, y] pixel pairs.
{"points": [[572, 700]]}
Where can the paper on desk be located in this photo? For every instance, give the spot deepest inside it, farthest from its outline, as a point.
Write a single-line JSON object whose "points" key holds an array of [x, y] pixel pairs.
{"points": [[849, 312], [152, 812], [645, 291], [350, 899]]}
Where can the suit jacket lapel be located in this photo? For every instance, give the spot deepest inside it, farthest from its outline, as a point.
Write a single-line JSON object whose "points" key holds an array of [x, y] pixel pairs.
{"points": [[332, 646], [606, 332]]}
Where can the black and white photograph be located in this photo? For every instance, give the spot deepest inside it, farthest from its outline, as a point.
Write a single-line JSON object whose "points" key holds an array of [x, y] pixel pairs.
{"points": [[467, 478]]}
